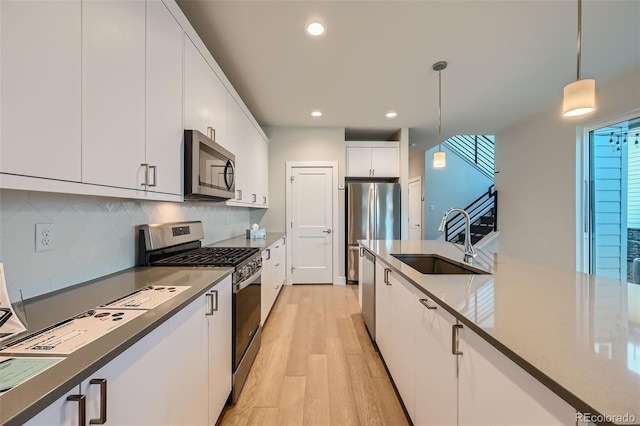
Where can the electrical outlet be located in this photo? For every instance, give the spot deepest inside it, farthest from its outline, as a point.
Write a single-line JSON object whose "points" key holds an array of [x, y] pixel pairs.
{"points": [[45, 236]]}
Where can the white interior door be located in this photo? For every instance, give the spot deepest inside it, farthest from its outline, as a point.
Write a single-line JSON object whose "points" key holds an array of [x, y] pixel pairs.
{"points": [[415, 209], [312, 225]]}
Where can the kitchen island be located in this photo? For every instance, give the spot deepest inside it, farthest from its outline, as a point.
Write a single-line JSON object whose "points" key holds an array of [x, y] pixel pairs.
{"points": [[577, 334]]}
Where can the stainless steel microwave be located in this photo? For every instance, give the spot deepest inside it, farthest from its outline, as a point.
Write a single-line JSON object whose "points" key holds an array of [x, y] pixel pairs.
{"points": [[209, 169]]}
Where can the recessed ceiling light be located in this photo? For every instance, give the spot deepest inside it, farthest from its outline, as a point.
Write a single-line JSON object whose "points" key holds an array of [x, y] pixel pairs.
{"points": [[315, 28], [391, 114], [316, 114]]}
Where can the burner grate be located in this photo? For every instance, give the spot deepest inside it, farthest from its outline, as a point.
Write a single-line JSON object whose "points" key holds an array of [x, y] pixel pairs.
{"points": [[209, 256]]}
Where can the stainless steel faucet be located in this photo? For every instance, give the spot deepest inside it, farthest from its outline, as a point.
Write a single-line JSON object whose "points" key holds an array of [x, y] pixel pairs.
{"points": [[469, 253]]}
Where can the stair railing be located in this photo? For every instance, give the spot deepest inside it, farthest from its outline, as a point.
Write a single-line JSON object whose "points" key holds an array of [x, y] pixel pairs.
{"points": [[486, 204], [477, 150]]}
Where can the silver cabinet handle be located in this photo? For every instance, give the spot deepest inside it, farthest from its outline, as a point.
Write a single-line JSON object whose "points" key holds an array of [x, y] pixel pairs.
{"points": [[455, 339], [386, 276], [82, 407], [370, 172], [425, 302], [239, 194], [103, 401], [155, 175], [373, 172], [277, 264], [213, 306], [327, 231], [264, 200], [211, 132], [268, 254], [254, 196], [146, 174], [361, 251]]}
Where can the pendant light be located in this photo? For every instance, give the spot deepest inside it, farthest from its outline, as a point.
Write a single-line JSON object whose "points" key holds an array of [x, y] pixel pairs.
{"points": [[579, 96], [440, 157]]}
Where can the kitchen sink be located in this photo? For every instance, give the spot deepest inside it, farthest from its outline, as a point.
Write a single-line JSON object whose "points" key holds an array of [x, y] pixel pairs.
{"points": [[433, 264]]}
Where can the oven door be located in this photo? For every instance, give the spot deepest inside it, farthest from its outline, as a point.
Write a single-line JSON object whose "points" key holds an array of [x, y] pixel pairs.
{"points": [[246, 315]]}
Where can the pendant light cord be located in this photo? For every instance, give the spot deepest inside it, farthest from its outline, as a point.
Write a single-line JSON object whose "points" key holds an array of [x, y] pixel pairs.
{"points": [[579, 36], [440, 103]]}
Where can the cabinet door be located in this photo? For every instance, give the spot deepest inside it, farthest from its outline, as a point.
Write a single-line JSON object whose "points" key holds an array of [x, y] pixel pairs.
{"points": [[62, 412], [188, 337], [220, 363], [493, 390], [40, 56], [358, 161], [401, 355], [281, 265], [113, 93], [205, 97], [238, 131], [436, 381], [383, 292], [138, 389], [384, 162], [164, 130], [197, 89], [261, 158], [268, 282]]}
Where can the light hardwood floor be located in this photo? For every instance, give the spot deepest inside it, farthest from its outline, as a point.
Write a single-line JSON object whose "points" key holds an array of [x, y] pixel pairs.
{"points": [[316, 366]]}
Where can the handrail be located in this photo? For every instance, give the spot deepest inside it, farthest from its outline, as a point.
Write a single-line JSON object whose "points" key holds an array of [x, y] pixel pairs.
{"points": [[484, 204], [476, 149]]}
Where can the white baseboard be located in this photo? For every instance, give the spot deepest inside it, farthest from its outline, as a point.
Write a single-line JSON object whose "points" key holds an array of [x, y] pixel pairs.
{"points": [[341, 281]]}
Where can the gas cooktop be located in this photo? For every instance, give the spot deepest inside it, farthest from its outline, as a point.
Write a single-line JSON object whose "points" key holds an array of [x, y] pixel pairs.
{"points": [[210, 256]]}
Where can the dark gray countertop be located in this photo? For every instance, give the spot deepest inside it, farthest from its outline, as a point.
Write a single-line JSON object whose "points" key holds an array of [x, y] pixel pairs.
{"points": [[549, 321], [27, 399], [242, 241]]}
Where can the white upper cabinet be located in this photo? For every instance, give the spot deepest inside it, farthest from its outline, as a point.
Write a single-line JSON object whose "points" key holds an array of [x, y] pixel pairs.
{"points": [[113, 93], [238, 128], [373, 159], [252, 158], [40, 56], [164, 130], [261, 170], [205, 97], [358, 161]]}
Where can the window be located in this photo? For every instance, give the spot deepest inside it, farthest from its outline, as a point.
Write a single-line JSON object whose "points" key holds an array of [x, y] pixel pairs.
{"points": [[614, 201]]}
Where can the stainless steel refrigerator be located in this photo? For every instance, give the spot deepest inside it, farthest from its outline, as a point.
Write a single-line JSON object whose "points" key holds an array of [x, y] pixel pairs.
{"points": [[373, 213]]}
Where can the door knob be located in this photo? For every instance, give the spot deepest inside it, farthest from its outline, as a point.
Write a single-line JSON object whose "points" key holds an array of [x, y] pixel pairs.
{"points": [[328, 231]]}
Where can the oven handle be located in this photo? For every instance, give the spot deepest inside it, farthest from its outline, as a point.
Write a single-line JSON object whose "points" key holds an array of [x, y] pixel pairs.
{"points": [[241, 286]]}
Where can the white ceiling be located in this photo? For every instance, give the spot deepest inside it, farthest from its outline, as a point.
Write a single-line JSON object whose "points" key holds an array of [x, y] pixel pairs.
{"points": [[507, 59]]}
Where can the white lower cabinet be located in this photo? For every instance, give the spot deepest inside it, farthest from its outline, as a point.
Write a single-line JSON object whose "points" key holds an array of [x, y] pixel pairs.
{"points": [[493, 390], [479, 386], [435, 368], [179, 374], [396, 321], [135, 389], [273, 277], [219, 351]]}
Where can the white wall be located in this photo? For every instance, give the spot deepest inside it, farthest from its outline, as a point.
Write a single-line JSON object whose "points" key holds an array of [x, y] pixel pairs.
{"points": [[94, 236], [456, 185], [538, 176], [301, 144]]}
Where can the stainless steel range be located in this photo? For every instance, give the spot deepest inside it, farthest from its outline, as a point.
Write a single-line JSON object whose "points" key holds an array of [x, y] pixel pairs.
{"points": [[180, 244]]}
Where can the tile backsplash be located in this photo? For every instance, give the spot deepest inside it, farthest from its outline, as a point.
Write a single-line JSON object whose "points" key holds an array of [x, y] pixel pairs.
{"points": [[93, 236]]}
